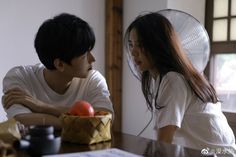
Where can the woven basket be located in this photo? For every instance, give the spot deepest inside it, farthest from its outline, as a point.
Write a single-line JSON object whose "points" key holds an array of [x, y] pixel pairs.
{"points": [[86, 130]]}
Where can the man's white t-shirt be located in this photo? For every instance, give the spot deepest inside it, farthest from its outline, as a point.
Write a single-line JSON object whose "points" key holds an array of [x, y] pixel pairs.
{"points": [[30, 79], [200, 125]]}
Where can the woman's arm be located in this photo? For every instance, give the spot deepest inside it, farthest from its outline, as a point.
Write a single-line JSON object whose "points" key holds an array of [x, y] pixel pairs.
{"points": [[166, 133]]}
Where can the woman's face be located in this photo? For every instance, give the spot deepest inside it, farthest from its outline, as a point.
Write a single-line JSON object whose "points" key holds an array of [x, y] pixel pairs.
{"points": [[138, 52]]}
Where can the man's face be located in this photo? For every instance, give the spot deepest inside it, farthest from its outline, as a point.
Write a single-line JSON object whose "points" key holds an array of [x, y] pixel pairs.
{"points": [[80, 66]]}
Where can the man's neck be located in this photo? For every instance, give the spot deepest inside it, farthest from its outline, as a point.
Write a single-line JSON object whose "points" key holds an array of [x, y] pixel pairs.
{"points": [[56, 81]]}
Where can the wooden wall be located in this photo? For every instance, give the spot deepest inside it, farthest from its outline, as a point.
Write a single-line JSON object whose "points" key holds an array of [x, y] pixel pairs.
{"points": [[113, 56]]}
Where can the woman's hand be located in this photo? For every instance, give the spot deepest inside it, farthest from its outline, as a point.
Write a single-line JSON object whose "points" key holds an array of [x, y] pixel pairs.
{"points": [[166, 133]]}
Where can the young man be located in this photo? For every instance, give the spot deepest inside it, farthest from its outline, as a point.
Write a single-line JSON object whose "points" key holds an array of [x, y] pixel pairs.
{"points": [[39, 94]]}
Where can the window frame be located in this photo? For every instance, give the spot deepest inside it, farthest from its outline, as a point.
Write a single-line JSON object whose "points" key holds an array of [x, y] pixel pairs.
{"points": [[217, 47], [226, 47]]}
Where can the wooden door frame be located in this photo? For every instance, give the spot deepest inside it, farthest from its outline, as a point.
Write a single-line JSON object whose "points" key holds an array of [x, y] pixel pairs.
{"points": [[114, 55]]}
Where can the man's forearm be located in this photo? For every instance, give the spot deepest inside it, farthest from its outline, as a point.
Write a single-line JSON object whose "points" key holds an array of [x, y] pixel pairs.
{"points": [[38, 119], [54, 110]]}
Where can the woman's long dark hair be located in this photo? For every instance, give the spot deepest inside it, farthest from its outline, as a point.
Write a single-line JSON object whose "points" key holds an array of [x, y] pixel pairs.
{"points": [[161, 45]]}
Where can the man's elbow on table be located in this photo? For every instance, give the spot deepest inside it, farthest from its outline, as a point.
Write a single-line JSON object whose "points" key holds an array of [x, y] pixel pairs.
{"points": [[28, 119]]}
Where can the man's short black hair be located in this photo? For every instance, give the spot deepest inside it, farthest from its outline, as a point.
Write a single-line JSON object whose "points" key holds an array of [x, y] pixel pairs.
{"points": [[65, 37]]}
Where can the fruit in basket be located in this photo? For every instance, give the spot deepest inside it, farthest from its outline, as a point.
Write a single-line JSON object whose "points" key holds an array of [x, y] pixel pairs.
{"points": [[82, 108]]}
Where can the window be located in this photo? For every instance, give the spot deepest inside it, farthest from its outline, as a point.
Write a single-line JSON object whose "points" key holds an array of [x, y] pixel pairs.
{"points": [[221, 26]]}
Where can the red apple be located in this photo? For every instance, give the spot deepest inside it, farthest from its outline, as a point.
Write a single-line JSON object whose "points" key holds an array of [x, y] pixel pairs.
{"points": [[82, 108]]}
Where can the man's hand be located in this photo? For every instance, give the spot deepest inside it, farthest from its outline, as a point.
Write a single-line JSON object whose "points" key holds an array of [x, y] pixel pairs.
{"points": [[18, 96]]}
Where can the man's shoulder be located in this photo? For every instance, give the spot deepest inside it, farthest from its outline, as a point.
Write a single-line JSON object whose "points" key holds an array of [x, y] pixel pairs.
{"points": [[93, 77], [24, 70], [95, 74]]}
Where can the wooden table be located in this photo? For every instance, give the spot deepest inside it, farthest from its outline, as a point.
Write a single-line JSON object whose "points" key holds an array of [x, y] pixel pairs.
{"points": [[136, 145]]}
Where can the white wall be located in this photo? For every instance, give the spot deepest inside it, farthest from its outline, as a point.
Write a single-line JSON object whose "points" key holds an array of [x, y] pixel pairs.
{"points": [[134, 112], [20, 19], [193, 7]]}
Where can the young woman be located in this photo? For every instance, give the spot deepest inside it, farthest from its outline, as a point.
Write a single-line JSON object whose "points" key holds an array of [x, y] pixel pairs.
{"points": [[186, 106]]}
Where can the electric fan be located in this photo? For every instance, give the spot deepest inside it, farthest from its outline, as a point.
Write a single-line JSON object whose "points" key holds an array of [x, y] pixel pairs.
{"points": [[193, 37]]}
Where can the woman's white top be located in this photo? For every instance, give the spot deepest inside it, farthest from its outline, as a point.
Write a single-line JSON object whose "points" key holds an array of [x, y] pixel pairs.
{"points": [[30, 79], [200, 125]]}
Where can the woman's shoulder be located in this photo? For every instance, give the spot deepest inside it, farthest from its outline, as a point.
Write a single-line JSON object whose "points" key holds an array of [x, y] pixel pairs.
{"points": [[174, 77], [174, 80], [172, 74]]}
